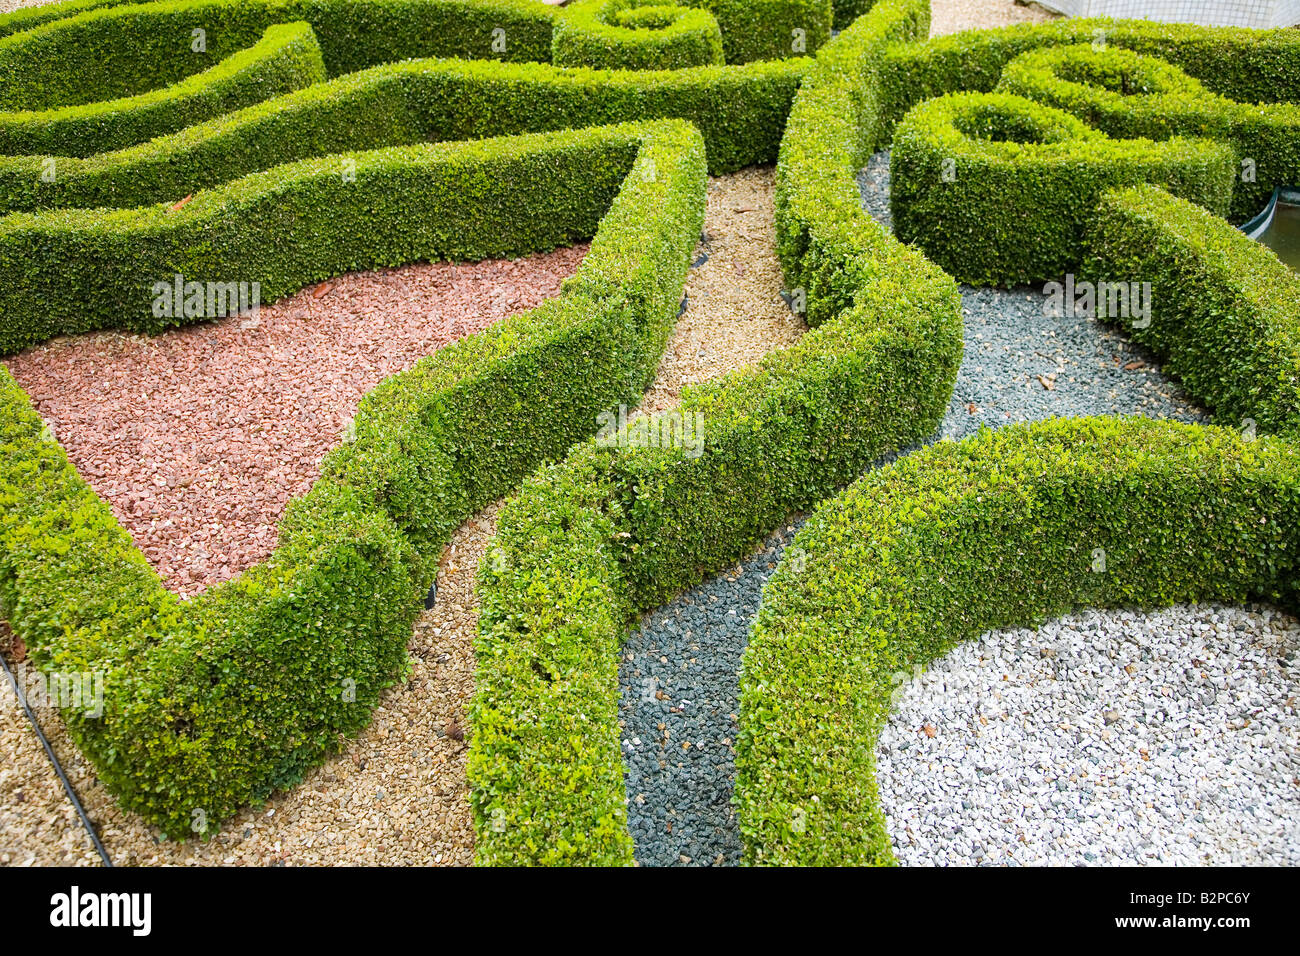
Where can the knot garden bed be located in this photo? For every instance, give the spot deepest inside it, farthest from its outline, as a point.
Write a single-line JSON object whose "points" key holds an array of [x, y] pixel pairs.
{"points": [[312, 145]]}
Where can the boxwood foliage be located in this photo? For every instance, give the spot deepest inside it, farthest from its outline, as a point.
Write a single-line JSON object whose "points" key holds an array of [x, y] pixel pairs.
{"points": [[1248, 66], [286, 58], [635, 35], [215, 702], [125, 50], [997, 189], [739, 110], [1000, 530], [1127, 94], [70, 271], [621, 525], [1225, 313], [81, 53]]}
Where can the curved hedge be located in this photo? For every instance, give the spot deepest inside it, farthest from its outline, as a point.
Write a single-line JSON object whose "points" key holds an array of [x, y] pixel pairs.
{"points": [[1248, 66], [635, 35], [997, 189], [78, 53], [286, 58], [215, 702], [960, 538], [739, 110], [616, 528], [1225, 312], [124, 50], [83, 269], [1128, 95]]}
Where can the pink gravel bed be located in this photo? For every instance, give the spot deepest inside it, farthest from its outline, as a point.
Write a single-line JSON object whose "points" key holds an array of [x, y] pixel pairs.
{"points": [[199, 437]]}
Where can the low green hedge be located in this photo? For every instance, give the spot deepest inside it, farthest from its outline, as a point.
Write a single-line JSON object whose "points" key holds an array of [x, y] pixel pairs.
{"points": [[826, 241], [619, 526], [957, 539], [1248, 66], [286, 58], [77, 270], [1225, 313], [80, 53], [740, 111], [635, 35], [1129, 95], [118, 51], [997, 189], [215, 702]]}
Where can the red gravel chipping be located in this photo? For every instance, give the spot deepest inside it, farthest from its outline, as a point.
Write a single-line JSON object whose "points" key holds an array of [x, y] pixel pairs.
{"points": [[199, 437]]}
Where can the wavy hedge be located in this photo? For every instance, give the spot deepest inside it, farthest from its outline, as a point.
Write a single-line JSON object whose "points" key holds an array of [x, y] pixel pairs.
{"points": [[213, 703], [614, 530], [739, 110], [79, 53], [77, 270], [997, 189], [286, 58], [961, 538], [1225, 312], [1129, 95], [1248, 66], [635, 35]]}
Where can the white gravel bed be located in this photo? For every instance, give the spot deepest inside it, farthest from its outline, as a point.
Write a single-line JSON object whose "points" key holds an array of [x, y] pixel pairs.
{"points": [[1106, 737]]}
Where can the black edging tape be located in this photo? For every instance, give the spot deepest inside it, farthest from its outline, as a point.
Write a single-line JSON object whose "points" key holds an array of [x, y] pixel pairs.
{"points": [[58, 767]]}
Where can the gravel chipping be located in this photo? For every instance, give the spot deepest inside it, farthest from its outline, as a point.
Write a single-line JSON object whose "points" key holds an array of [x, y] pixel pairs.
{"points": [[199, 437], [734, 311], [1113, 737], [950, 16], [1020, 364]]}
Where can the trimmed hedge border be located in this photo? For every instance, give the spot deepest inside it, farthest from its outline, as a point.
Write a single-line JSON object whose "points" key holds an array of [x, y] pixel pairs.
{"points": [[616, 528], [1129, 95], [124, 50], [287, 58], [214, 703], [1248, 66], [958, 539], [1225, 312], [635, 35], [998, 189], [78, 270], [739, 110], [70, 54]]}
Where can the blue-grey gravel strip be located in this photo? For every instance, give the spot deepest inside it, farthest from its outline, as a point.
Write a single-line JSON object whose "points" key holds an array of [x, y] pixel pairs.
{"points": [[679, 669]]}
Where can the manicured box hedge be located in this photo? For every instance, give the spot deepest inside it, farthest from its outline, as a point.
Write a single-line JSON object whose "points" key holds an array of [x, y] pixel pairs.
{"points": [[997, 189], [614, 530], [1248, 66], [1129, 95], [108, 51], [635, 35], [82, 269], [961, 538], [126, 50], [740, 111], [215, 702], [1225, 313], [286, 58]]}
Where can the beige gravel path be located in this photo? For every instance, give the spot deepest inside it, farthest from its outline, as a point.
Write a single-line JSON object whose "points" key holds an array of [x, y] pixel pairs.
{"points": [[949, 16]]}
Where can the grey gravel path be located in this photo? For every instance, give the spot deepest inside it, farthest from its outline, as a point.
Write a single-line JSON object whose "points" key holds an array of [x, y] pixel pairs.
{"points": [[679, 797]]}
